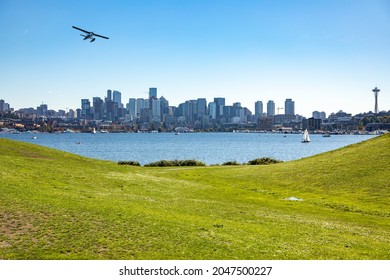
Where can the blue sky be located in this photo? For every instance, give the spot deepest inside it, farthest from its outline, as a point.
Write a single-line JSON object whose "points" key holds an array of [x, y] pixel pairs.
{"points": [[325, 55]]}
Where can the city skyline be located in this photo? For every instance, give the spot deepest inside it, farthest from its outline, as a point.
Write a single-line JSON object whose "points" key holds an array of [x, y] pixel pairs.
{"points": [[269, 109], [326, 56]]}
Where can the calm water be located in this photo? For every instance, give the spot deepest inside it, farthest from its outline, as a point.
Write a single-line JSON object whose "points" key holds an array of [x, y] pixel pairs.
{"points": [[208, 147]]}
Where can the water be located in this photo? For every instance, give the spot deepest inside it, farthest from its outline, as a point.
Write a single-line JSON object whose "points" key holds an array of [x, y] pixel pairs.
{"points": [[211, 148]]}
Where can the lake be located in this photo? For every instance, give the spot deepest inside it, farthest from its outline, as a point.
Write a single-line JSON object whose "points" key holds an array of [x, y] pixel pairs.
{"points": [[211, 148]]}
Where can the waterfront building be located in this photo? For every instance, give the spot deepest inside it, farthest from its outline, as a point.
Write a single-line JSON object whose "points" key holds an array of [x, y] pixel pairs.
{"points": [[289, 107], [284, 119], [311, 124], [270, 108], [265, 123]]}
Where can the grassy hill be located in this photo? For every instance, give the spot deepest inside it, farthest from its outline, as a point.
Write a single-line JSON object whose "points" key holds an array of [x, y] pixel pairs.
{"points": [[55, 205]]}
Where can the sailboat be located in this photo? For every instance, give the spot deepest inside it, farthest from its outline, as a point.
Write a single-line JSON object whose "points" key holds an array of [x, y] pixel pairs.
{"points": [[306, 137]]}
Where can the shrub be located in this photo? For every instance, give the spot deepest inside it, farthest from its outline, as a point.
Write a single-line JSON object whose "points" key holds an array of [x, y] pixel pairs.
{"points": [[165, 163], [191, 162], [231, 163], [130, 162], [263, 161]]}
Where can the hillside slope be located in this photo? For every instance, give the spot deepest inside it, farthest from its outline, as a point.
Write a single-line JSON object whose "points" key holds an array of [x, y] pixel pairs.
{"points": [[55, 205]]}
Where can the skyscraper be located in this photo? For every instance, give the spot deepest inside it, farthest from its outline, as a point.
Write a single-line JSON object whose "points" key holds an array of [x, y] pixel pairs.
{"points": [[132, 108], [201, 107], [258, 109], [289, 107], [117, 98], [109, 95], [153, 93], [156, 110], [270, 108], [219, 102], [213, 110], [85, 109], [98, 110], [164, 104]]}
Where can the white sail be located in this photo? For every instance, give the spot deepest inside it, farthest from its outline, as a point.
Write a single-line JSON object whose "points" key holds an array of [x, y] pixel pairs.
{"points": [[306, 137]]}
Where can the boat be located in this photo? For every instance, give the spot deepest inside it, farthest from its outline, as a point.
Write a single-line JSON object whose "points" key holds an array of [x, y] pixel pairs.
{"points": [[306, 137], [326, 135], [93, 131]]}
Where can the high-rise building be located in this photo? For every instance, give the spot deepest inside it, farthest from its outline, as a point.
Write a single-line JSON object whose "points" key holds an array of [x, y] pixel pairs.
{"points": [[141, 104], [97, 109], [156, 110], [164, 106], [319, 115], [219, 102], [213, 110], [258, 109], [152, 92], [85, 109], [201, 107], [111, 111], [132, 108], [42, 110], [117, 98], [270, 108], [109, 95], [289, 107]]}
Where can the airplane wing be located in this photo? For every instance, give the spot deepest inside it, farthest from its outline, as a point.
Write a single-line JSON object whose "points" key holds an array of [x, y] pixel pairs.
{"points": [[104, 37], [75, 27]]}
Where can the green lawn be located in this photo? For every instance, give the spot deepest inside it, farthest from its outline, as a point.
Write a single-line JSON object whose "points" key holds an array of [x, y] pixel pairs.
{"points": [[55, 205]]}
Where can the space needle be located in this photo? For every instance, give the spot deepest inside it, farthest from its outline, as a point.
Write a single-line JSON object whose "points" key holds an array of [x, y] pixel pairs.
{"points": [[376, 90]]}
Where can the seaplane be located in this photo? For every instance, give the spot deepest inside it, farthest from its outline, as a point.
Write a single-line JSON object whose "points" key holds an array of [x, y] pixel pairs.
{"points": [[89, 35]]}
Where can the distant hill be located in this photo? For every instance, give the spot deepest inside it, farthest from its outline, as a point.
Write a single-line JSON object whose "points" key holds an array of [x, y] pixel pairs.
{"points": [[56, 205]]}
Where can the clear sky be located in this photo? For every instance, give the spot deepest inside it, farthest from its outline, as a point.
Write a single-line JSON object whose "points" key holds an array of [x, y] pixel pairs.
{"points": [[326, 55]]}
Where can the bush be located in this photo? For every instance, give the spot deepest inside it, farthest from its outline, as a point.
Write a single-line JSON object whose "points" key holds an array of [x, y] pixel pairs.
{"points": [[191, 162], [131, 162], [231, 163], [165, 163], [263, 161]]}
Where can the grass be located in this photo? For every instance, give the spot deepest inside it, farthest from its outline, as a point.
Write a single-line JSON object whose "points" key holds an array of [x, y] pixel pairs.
{"points": [[55, 205]]}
